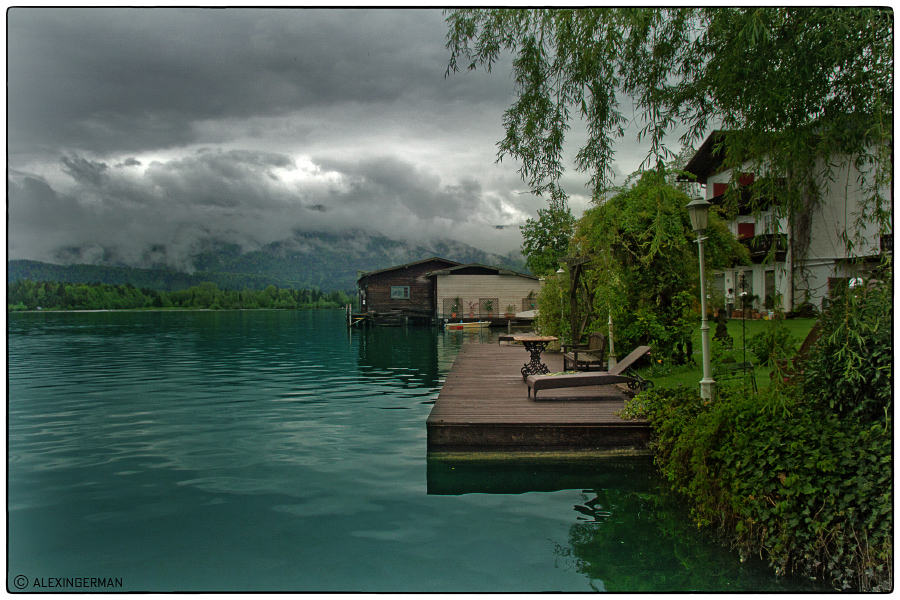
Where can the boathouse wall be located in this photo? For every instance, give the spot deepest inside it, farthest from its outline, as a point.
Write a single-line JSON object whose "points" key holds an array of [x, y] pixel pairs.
{"points": [[503, 288], [402, 289]]}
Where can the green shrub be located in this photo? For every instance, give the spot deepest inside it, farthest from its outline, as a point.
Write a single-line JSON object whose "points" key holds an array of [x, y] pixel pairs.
{"points": [[773, 344], [810, 490], [850, 368]]}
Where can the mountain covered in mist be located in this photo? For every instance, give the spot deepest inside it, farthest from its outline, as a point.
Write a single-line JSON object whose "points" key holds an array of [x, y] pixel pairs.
{"points": [[324, 261]]}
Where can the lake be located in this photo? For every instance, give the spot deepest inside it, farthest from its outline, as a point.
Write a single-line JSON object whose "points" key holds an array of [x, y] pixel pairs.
{"points": [[276, 450]]}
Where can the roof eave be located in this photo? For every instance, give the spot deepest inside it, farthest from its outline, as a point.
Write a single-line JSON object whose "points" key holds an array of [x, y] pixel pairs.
{"points": [[706, 161]]}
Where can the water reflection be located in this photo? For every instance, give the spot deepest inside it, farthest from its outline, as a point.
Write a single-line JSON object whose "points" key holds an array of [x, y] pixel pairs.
{"points": [[411, 354], [278, 451], [472, 476], [628, 532], [415, 356]]}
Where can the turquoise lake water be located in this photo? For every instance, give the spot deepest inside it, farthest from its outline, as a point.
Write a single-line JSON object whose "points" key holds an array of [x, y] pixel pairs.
{"points": [[275, 451]]}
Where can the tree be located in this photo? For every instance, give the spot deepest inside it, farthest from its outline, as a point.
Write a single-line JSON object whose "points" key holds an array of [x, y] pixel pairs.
{"points": [[796, 88], [546, 240], [645, 268]]}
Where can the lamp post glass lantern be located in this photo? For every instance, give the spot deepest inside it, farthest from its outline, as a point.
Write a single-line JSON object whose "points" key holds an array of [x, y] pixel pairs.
{"points": [[699, 211]]}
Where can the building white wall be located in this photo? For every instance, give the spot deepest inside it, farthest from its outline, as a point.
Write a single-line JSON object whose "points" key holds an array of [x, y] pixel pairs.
{"points": [[508, 289], [835, 217]]}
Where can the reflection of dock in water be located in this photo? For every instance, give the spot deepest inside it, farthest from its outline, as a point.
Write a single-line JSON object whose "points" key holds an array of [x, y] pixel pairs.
{"points": [[448, 476], [484, 405]]}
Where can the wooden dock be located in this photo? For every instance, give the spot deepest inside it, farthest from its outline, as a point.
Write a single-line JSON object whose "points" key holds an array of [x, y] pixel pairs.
{"points": [[484, 405]]}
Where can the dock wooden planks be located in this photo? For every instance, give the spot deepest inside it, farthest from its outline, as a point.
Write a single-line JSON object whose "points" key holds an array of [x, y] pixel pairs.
{"points": [[484, 405]]}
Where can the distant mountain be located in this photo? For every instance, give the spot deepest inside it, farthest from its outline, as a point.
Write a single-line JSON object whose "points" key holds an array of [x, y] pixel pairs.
{"points": [[324, 261], [154, 279], [331, 260]]}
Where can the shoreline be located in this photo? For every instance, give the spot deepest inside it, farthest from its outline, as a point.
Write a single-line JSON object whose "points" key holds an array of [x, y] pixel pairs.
{"points": [[178, 309]]}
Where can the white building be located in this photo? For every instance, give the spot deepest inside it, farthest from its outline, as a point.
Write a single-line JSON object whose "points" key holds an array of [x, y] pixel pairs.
{"points": [[478, 291], [793, 274]]}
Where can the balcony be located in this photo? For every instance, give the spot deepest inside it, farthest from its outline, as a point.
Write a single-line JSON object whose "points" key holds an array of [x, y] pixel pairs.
{"points": [[761, 245], [746, 203]]}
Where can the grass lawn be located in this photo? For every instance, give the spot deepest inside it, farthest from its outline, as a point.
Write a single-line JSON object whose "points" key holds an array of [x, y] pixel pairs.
{"points": [[690, 375]]}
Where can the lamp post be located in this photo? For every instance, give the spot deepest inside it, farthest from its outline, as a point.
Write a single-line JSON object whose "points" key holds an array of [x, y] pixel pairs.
{"points": [[612, 352], [699, 211], [743, 287], [559, 273]]}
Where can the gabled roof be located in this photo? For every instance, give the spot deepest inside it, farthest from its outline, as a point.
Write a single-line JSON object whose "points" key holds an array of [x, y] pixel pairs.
{"points": [[479, 269], [707, 160], [449, 263]]}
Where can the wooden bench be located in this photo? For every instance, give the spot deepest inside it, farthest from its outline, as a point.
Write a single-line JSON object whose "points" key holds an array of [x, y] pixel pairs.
{"points": [[613, 376], [584, 358]]}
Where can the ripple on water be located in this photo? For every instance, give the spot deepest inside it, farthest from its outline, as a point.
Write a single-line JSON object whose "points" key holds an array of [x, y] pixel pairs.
{"points": [[276, 450]]}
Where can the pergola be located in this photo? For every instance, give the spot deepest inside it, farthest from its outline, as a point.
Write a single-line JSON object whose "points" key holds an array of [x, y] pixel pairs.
{"points": [[576, 266]]}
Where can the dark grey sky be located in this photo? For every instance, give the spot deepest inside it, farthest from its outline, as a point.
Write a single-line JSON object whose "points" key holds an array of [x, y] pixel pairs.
{"points": [[137, 134]]}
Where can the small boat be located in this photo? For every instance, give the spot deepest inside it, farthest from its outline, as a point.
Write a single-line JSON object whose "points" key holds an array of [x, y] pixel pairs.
{"points": [[463, 326]]}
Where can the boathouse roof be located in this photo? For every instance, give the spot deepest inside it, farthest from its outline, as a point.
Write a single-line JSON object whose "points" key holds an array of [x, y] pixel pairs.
{"points": [[479, 269], [449, 263]]}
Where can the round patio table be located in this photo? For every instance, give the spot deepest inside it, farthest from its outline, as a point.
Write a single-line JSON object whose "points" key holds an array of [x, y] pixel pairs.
{"points": [[535, 344]]}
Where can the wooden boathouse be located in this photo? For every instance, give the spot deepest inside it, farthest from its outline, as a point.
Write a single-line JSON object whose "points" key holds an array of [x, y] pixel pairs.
{"points": [[436, 290], [484, 406], [399, 294]]}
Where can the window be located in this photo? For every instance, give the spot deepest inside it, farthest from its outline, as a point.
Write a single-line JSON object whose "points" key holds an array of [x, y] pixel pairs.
{"points": [[768, 223], [399, 292]]}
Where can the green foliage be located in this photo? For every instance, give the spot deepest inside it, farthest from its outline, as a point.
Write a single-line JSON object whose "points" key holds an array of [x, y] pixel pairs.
{"points": [[773, 344], [850, 369], [553, 317], [799, 474], [791, 85], [49, 295], [809, 489], [546, 240], [647, 274]]}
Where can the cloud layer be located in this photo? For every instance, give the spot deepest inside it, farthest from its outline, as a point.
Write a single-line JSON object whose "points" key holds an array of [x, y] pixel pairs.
{"points": [[139, 135]]}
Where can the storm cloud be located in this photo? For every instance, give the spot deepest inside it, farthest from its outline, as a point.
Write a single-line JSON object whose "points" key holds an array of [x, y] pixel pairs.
{"points": [[140, 135]]}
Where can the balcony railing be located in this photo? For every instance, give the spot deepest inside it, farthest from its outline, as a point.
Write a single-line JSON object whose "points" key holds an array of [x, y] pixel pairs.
{"points": [[761, 246]]}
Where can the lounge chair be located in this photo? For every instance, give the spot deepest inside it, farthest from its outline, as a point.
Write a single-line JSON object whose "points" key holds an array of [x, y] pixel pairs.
{"points": [[614, 375], [788, 369], [585, 357]]}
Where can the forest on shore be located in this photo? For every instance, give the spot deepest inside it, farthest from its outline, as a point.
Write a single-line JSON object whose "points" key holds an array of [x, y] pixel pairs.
{"points": [[54, 295]]}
